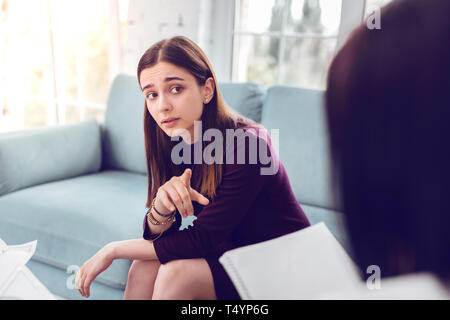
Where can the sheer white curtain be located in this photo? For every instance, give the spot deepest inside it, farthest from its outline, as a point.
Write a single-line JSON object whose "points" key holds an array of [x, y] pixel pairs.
{"points": [[57, 59]]}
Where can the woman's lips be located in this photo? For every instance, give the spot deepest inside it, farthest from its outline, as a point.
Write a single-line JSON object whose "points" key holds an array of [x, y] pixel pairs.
{"points": [[171, 123]]}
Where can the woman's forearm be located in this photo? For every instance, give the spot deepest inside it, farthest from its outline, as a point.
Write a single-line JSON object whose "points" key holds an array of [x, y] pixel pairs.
{"points": [[134, 249]]}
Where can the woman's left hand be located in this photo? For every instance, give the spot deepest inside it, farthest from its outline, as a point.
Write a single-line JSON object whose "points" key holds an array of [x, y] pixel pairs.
{"points": [[92, 268]]}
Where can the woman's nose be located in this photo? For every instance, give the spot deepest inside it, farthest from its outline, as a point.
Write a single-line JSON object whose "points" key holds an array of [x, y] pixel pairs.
{"points": [[163, 103]]}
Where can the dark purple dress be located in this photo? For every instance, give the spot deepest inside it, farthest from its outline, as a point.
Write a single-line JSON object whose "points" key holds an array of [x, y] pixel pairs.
{"points": [[249, 207]]}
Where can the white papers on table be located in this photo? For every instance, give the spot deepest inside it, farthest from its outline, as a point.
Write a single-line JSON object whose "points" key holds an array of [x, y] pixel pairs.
{"points": [[16, 280]]}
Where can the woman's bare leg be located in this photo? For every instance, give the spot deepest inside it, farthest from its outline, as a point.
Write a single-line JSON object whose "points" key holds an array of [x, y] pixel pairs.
{"points": [[186, 279], [141, 279]]}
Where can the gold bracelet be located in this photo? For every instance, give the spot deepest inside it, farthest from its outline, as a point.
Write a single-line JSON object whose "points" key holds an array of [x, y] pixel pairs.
{"points": [[153, 221]]}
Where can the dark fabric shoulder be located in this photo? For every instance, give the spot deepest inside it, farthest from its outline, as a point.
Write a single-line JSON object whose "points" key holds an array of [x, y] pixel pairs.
{"points": [[252, 145]]}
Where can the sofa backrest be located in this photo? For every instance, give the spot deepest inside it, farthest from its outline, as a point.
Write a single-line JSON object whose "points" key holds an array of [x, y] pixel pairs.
{"points": [[123, 129], [246, 98], [299, 114], [45, 154]]}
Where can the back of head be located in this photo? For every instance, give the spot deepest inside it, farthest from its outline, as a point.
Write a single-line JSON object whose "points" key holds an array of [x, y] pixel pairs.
{"points": [[388, 102]]}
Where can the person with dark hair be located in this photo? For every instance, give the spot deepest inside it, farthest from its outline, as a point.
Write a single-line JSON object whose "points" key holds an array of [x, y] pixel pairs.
{"points": [[388, 106], [237, 201]]}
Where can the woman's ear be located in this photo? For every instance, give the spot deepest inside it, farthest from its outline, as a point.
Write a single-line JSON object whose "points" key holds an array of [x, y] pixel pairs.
{"points": [[208, 90]]}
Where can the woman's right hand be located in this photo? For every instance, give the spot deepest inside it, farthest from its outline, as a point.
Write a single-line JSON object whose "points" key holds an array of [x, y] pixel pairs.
{"points": [[177, 192]]}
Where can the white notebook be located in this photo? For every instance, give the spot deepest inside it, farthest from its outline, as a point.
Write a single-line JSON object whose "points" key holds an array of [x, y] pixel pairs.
{"points": [[302, 265]]}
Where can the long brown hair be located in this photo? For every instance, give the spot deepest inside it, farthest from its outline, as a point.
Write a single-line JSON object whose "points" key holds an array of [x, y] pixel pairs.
{"points": [[184, 53]]}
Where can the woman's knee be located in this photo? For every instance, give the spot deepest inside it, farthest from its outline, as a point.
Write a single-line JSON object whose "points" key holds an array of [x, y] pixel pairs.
{"points": [[141, 279], [184, 279], [172, 272], [172, 280]]}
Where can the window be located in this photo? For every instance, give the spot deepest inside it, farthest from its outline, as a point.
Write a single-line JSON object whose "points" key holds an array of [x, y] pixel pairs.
{"points": [[286, 42], [55, 60]]}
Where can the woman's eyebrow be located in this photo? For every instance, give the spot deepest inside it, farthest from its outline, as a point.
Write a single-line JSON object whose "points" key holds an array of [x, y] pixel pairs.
{"points": [[168, 79], [172, 78]]}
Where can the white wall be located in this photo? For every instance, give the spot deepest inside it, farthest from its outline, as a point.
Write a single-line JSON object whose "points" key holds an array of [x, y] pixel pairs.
{"points": [[152, 20]]}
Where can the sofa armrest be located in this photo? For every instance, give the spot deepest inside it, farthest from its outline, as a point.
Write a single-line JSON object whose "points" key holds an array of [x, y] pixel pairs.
{"points": [[32, 157]]}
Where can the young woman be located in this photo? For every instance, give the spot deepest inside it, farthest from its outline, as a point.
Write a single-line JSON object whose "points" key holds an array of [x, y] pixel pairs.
{"points": [[388, 112], [236, 202]]}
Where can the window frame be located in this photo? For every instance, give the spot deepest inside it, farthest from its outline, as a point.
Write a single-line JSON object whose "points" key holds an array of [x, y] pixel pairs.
{"points": [[222, 38], [352, 14]]}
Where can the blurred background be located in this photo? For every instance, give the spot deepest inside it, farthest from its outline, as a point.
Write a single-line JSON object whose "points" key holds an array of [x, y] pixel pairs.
{"points": [[58, 57]]}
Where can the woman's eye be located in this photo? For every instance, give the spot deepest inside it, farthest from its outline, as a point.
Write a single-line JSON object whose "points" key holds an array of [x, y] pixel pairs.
{"points": [[176, 89], [151, 95]]}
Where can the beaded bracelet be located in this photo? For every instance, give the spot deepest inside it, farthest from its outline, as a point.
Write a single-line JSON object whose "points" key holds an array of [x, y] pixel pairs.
{"points": [[159, 213]]}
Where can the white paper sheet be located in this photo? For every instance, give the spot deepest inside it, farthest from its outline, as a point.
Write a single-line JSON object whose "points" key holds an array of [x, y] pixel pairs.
{"points": [[16, 280]]}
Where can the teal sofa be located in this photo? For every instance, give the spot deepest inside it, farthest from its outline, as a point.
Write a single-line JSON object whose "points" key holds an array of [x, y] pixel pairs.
{"points": [[77, 187]]}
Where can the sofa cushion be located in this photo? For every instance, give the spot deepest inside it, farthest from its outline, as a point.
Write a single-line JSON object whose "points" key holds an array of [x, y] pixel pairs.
{"points": [[37, 156], [245, 98], [123, 130], [299, 116], [72, 219], [61, 283]]}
